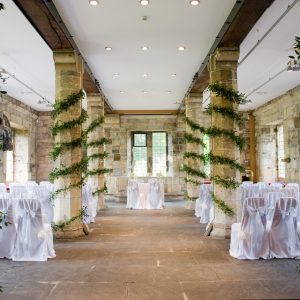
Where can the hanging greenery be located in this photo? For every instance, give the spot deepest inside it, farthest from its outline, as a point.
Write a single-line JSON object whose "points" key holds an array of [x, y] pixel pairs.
{"points": [[231, 95], [226, 112], [63, 224], [60, 147], [209, 158], [101, 142], [94, 124], [60, 126], [186, 195], [2, 6], [101, 191], [3, 220], [227, 93], [295, 59], [189, 138], [192, 181]]}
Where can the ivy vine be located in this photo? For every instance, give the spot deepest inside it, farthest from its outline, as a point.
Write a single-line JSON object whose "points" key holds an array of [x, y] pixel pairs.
{"points": [[63, 224], [295, 59], [230, 95]]}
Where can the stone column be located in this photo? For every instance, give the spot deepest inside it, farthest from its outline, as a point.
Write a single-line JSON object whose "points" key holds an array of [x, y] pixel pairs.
{"points": [[95, 108], [193, 106], [69, 73], [223, 69], [2, 166]]}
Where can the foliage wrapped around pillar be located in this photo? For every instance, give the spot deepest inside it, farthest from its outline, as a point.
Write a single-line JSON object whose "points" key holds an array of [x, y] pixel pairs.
{"points": [[78, 168], [231, 95]]}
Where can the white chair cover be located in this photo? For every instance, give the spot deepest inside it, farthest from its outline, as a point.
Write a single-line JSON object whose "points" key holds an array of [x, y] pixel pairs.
{"points": [[31, 242], [87, 204], [298, 211], [271, 199], [276, 185], [2, 188], [155, 200], [249, 238], [289, 192], [133, 201], [247, 183], [48, 185], [293, 186], [284, 240], [17, 189], [8, 233], [204, 205], [249, 191], [139, 180]]}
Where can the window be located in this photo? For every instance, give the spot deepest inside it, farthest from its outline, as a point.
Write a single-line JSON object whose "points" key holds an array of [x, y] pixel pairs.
{"points": [[149, 153], [280, 153]]}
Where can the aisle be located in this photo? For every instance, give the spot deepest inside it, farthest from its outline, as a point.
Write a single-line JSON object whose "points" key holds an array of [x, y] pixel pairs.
{"points": [[156, 255]]}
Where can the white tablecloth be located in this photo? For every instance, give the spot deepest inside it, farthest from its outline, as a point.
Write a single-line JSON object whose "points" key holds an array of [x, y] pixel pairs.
{"points": [[143, 194]]}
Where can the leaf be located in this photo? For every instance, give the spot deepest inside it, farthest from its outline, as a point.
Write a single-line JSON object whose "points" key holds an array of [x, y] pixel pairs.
{"points": [[291, 56]]}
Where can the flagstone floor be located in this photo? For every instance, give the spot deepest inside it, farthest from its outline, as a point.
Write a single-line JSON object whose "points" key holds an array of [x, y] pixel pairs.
{"points": [[156, 255]]}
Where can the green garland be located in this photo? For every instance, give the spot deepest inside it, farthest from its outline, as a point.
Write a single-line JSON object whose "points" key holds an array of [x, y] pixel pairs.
{"points": [[228, 93], [215, 159], [66, 188], [295, 59], [3, 220], [216, 132], [192, 181], [76, 168], [59, 147], [63, 105], [97, 172], [101, 142], [63, 224], [226, 112], [96, 123], [60, 126], [189, 138], [227, 182], [222, 205], [2, 6], [193, 172], [187, 196], [101, 191]]}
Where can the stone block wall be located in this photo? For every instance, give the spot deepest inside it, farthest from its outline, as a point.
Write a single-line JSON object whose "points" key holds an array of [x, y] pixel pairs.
{"points": [[23, 120], [285, 111], [44, 146], [118, 129]]}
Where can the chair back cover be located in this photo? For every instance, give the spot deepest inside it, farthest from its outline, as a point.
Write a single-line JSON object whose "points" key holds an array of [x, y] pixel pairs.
{"points": [[284, 239], [2, 188], [7, 233], [246, 183], [204, 204], [271, 200], [17, 189], [253, 236], [249, 191], [87, 204], [289, 191], [31, 242], [133, 194], [155, 200]]}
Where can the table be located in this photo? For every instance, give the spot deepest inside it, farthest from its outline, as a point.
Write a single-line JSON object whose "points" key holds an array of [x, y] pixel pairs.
{"points": [[144, 192]]}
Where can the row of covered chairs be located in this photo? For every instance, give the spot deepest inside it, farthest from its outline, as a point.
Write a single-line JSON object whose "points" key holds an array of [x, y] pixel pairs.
{"points": [[154, 197], [260, 236]]}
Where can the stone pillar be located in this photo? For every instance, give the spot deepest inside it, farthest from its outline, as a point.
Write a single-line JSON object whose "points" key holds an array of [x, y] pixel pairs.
{"points": [[193, 106], [95, 108], [223, 69], [69, 73], [2, 166]]}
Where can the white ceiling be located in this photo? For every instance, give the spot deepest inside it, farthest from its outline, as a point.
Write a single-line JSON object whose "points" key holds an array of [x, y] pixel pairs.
{"points": [[171, 23], [270, 57], [119, 24], [24, 54]]}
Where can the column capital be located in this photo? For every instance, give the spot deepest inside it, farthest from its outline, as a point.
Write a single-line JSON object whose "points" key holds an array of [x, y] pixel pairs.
{"points": [[95, 99], [68, 56]]}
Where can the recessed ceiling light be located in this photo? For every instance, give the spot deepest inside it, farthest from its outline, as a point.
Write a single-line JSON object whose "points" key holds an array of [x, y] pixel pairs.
{"points": [[144, 2], [144, 48], [145, 92], [181, 48], [169, 92], [122, 92], [145, 75], [94, 2], [173, 75], [194, 2], [116, 75], [108, 48]]}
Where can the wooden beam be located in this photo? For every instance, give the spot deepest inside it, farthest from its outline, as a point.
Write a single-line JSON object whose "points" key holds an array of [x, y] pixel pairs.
{"points": [[252, 146], [145, 112]]}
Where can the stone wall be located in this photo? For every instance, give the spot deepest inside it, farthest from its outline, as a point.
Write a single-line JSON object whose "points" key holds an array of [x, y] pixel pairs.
{"points": [[23, 120], [285, 111], [44, 146], [118, 129]]}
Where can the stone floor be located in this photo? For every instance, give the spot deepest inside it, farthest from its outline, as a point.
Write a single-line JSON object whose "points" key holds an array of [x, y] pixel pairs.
{"points": [[156, 255]]}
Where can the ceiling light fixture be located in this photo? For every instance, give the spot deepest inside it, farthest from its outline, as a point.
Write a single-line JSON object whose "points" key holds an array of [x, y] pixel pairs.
{"points": [[108, 48], [145, 75], [194, 2], [94, 2], [144, 2], [145, 92], [181, 48], [169, 92], [122, 92], [116, 75], [173, 75], [144, 48]]}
